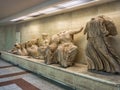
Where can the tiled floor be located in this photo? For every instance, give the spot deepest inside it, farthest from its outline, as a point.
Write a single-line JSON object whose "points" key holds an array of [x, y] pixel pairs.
{"points": [[15, 78], [10, 87]]}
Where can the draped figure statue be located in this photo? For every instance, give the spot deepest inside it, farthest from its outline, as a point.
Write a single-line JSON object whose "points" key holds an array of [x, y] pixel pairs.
{"points": [[100, 55], [61, 49], [44, 42], [50, 52], [66, 50]]}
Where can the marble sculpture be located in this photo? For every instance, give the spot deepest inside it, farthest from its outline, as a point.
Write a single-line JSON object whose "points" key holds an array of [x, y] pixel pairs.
{"points": [[100, 55]]}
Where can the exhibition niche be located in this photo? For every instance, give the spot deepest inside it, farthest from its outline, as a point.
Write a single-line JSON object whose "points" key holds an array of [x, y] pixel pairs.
{"points": [[60, 49]]}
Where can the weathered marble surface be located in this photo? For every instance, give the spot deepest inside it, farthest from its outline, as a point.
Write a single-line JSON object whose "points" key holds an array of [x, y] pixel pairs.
{"points": [[67, 51], [100, 55], [43, 44], [62, 49], [59, 48], [34, 48]]}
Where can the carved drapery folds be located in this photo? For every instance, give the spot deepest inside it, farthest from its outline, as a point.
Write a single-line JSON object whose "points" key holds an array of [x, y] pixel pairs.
{"points": [[66, 50], [100, 55], [59, 48], [62, 49]]}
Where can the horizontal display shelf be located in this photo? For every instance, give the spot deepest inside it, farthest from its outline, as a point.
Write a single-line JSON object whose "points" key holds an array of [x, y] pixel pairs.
{"points": [[76, 76]]}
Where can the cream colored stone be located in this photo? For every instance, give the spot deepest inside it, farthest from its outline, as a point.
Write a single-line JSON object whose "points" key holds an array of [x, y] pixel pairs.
{"points": [[51, 73], [78, 81]]}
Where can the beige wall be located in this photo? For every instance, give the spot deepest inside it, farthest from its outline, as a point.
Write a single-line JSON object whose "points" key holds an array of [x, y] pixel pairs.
{"points": [[70, 21], [2, 38]]}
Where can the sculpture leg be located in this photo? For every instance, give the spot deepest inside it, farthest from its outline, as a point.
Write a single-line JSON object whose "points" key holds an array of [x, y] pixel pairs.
{"points": [[66, 55], [70, 56], [48, 56]]}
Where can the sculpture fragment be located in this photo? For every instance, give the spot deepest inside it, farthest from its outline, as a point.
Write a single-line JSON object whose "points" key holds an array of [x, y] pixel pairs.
{"points": [[100, 55]]}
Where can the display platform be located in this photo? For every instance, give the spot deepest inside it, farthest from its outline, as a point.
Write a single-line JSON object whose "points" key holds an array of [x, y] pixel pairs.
{"points": [[76, 77]]}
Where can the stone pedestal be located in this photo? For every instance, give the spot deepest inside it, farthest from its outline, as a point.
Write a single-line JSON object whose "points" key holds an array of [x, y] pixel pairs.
{"points": [[76, 77]]}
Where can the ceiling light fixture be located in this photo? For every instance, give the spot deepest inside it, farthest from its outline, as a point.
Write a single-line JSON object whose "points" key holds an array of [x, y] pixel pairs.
{"points": [[83, 3], [27, 18], [45, 11], [59, 7], [74, 3], [20, 18], [49, 10], [70, 3], [35, 13]]}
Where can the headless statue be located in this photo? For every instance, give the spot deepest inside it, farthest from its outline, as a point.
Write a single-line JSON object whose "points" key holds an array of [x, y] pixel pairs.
{"points": [[61, 49], [100, 54], [66, 50], [50, 52]]}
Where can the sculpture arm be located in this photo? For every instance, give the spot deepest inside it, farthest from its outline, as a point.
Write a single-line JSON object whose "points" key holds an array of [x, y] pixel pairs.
{"points": [[76, 31], [86, 29], [109, 26]]}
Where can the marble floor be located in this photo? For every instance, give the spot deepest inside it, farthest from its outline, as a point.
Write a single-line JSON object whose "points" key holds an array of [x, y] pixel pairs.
{"points": [[15, 78]]}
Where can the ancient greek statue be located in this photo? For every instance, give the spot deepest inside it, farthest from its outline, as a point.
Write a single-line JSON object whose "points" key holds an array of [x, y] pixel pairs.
{"points": [[32, 49], [23, 49], [44, 42], [61, 49], [50, 52], [100, 55], [66, 50], [17, 49]]}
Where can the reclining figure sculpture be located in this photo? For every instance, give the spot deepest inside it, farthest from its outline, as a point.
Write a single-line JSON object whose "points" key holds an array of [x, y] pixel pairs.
{"points": [[62, 50]]}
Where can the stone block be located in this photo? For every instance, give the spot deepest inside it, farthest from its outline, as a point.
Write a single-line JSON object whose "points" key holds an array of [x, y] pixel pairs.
{"points": [[76, 80]]}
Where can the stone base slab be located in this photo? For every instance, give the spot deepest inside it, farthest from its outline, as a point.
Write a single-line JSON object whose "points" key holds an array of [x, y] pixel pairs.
{"points": [[76, 77]]}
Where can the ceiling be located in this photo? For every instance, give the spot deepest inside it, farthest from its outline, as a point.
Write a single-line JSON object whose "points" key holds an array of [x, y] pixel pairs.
{"points": [[10, 9]]}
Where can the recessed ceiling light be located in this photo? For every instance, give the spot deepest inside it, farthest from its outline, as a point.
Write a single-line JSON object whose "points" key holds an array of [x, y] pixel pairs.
{"points": [[27, 18], [45, 11], [70, 3], [50, 10], [74, 3], [17, 19], [59, 7]]}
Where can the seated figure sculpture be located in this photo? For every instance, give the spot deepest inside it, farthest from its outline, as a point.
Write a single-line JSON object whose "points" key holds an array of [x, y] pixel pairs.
{"points": [[100, 55], [50, 51], [44, 42], [23, 49], [17, 49], [66, 50], [32, 49], [61, 49]]}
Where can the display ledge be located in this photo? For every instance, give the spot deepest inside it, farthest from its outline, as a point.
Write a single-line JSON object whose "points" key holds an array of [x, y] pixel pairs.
{"points": [[76, 77]]}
